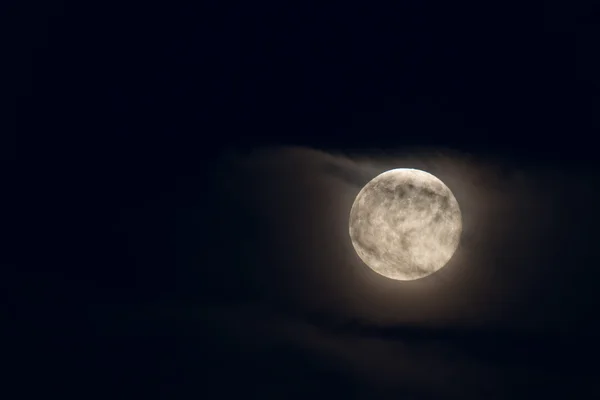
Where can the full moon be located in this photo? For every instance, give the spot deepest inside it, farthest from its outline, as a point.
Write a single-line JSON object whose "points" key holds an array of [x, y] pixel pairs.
{"points": [[405, 224]]}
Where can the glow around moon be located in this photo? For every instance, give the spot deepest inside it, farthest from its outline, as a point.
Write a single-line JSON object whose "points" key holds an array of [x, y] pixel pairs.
{"points": [[405, 224]]}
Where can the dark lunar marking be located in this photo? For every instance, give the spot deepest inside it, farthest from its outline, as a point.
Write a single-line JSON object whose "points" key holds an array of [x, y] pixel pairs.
{"points": [[429, 193], [405, 242], [368, 247], [389, 191]]}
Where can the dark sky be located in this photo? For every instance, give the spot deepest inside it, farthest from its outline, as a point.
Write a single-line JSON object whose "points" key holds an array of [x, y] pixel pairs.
{"points": [[190, 169]]}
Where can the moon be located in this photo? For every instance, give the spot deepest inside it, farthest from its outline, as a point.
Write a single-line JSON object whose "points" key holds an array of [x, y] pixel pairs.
{"points": [[405, 224]]}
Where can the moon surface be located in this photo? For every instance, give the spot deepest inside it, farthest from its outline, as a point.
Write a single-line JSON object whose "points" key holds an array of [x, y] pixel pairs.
{"points": [[405, 224]]}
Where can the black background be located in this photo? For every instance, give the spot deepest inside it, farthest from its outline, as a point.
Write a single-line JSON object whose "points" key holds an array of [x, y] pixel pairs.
{"points": [[123, 106]]}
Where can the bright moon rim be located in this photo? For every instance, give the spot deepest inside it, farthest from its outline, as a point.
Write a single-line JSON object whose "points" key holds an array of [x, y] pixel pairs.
{"points": [[405, 224]]}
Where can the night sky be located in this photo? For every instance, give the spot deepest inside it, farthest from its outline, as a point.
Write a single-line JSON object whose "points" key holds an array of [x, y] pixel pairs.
{"points": [[190, 169]]}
